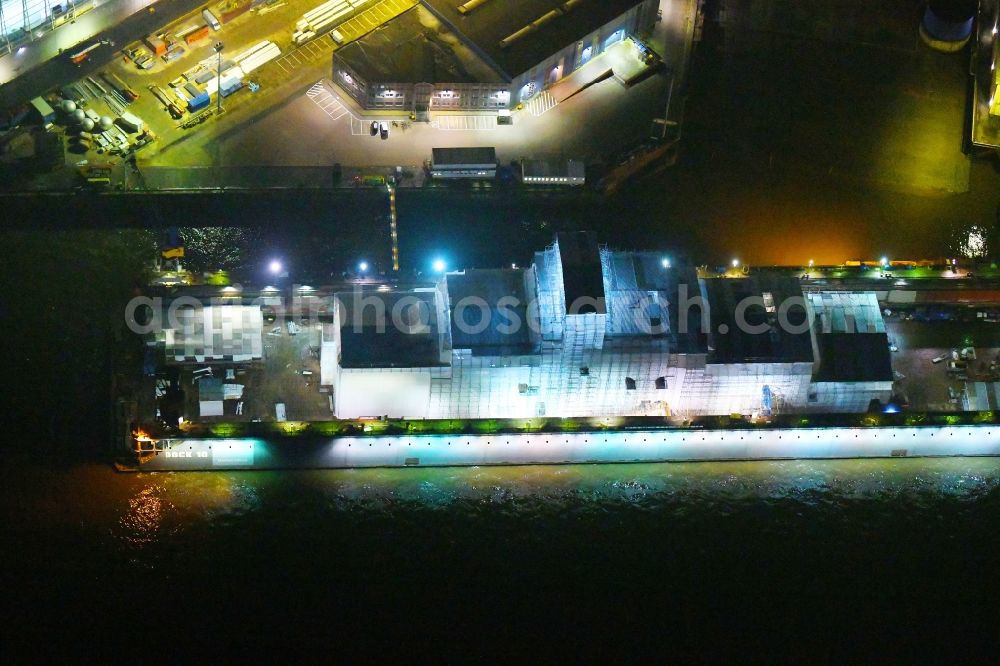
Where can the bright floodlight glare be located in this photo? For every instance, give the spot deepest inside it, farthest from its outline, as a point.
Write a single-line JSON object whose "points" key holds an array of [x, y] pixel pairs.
{"points": [[363, 266], [666, 263], [439, 265], [811, 263], [885, 261], [275, 266], [736, 263]]}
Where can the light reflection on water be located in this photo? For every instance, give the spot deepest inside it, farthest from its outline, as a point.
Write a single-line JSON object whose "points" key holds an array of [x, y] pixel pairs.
{"points": [[143, 510], [222, 497]]}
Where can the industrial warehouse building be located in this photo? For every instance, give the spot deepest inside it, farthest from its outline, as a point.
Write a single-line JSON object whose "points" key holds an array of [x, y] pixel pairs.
{"points": [[584, 331], [591, 332], [18, 18], [226, 333], [520, 48]]}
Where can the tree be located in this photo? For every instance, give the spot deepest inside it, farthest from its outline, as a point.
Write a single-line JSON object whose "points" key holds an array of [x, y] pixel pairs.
{"points": [[215, 248]]}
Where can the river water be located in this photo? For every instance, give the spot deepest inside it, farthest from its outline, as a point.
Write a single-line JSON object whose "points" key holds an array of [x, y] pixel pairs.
{"points": [[682, 544]]}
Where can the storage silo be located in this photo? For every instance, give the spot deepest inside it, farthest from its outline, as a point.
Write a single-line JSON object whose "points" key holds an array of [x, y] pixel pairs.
{"points": [[947, 24]]}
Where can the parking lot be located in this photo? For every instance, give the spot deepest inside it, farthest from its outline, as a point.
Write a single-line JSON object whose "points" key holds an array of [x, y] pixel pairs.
{"points": [[309, 54], [322, 125], [331, 104], [290, 114]]}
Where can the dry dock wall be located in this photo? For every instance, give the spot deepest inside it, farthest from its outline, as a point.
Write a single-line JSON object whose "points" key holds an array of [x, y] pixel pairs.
{"points": [[580, 447]]}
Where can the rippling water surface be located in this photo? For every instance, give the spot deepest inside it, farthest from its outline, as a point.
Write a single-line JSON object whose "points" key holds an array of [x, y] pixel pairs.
{"points": [[805, 534]]}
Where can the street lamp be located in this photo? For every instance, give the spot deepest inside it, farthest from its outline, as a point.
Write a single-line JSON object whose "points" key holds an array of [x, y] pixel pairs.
{"points": [[736, 263], [275, 267], [363, 267], [218, 91], [665, 263], [439, 266]]}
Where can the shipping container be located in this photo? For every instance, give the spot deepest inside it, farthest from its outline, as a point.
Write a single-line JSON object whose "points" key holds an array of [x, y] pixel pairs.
{"points": [[197, 35], [131, 123], [156, 45], [198, 102], [229, 86]]}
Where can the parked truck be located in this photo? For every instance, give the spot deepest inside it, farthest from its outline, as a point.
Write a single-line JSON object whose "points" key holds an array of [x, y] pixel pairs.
{"points": [[157, 45], [231, 85], [211, 20], [119, 86], [168, 103], [44, 111], [79, 56], [131, 123]]}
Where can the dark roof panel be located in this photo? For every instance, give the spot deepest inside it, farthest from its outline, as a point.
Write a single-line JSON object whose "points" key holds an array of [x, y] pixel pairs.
{"points": [[854, 357], [496, 20], [583, 276], [499, 297], [757, 336], [370, 339], [464, 156]]}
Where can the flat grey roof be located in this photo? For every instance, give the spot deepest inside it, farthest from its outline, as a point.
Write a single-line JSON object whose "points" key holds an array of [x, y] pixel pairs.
{"points": [[494, 20], [464, 156], [553, 169], [415, 48]]}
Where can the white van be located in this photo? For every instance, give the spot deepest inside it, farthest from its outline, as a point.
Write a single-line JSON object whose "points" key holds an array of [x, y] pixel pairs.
{"points": [[210, 19]]}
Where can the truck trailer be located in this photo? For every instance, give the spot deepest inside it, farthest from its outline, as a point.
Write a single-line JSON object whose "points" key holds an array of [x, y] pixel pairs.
{"points": [[119, 86], [44, 111]]}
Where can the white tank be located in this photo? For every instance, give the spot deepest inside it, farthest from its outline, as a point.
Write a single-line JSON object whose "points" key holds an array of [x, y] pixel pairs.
{"points": [[87, 124], [79, 116], [68, 105], [106, 122]]}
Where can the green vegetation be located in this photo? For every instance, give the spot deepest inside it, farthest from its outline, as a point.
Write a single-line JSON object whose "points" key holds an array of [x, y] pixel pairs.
{"points": [[217, 249], [227, 429], [307, 430]]}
